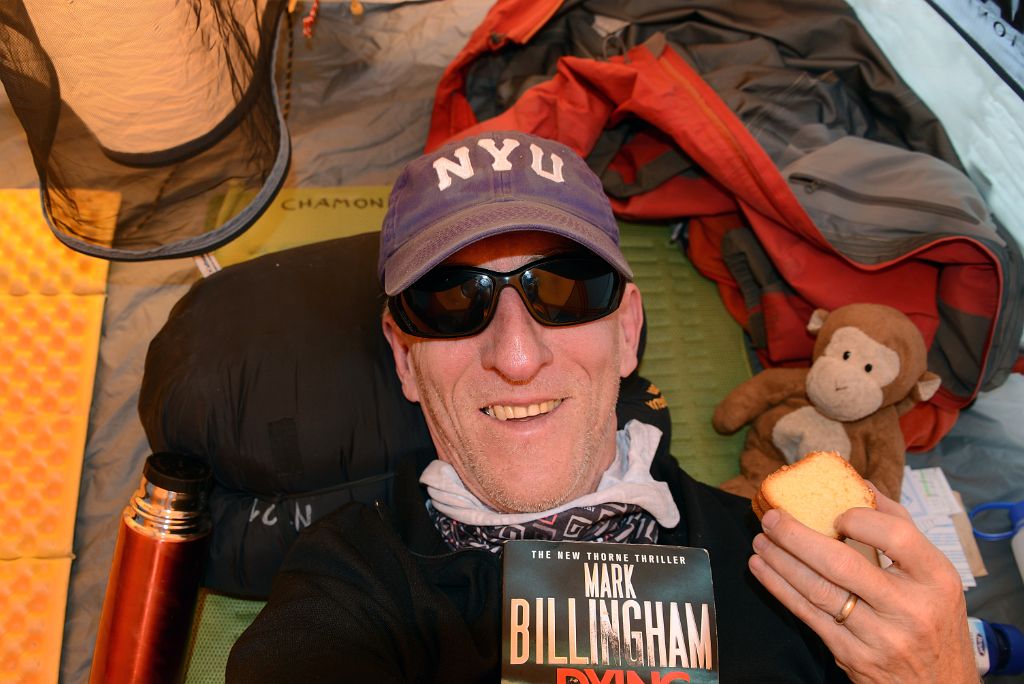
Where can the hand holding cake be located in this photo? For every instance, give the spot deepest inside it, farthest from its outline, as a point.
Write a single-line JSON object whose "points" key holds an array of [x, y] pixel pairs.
{"points": [[879, 623]]}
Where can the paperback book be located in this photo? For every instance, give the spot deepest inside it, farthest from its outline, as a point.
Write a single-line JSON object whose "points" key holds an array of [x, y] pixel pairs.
{"points": [[597, 613]]}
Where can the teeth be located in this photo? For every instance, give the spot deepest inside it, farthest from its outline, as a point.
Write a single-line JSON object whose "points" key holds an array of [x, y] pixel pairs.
{"points": [[502, 412]]}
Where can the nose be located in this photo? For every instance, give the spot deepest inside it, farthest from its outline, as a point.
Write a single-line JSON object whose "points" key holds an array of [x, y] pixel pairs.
{"points": [[514, 345]]}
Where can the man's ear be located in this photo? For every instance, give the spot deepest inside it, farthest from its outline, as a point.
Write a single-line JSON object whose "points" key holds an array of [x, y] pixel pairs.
{"points": [[400, 349], [631, 321]]}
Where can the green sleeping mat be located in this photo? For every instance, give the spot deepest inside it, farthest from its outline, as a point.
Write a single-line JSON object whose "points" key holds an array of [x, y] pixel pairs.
{"points": [[695, 351]]}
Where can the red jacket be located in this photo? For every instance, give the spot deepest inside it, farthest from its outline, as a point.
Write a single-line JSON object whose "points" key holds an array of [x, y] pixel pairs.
{"points": [[743, 189]]}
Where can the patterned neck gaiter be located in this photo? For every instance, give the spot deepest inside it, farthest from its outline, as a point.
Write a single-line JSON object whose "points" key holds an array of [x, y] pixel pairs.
{"points": [[606, 522]]}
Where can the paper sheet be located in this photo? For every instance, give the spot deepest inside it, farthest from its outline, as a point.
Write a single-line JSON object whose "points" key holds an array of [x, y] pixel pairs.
{"points": [[926, 494]]}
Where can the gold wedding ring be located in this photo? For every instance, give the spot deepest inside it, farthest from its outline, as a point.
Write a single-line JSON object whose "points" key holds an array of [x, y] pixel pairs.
{"points": [[844, 612]]}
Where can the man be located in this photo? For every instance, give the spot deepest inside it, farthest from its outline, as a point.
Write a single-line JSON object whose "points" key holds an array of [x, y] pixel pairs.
{"points": [[511, 317]]}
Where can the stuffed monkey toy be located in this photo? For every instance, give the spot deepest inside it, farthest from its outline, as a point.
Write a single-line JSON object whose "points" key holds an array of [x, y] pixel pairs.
{"points": [[869, 367]]}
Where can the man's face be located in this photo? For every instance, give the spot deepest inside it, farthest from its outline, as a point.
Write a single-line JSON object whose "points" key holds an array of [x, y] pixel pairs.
{"points": [[525, 413]]}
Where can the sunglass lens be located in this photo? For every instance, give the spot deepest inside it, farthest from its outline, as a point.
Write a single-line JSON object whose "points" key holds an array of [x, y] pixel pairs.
{"points": [[448, 303], [571, 290]]}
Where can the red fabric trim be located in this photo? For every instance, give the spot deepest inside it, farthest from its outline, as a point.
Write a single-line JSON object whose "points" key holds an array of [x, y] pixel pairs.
{"points": [[644, 148], [676, 197], [968, 288], [785, 322], [925, 424], [508, 20], [562, 109]]}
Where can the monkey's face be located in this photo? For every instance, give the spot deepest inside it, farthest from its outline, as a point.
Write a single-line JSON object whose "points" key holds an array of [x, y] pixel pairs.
{"points": [[848, 380]]}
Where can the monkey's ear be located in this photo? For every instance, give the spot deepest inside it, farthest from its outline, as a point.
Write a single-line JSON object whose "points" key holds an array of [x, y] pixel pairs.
{"points": [[926, 386], [817, 320]]}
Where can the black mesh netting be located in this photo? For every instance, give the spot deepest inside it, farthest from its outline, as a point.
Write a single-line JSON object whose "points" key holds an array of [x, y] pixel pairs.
{"points": [[143, 117]]}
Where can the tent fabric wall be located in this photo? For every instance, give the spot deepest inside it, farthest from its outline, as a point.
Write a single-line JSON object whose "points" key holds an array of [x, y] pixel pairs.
{"points": [[361, 93]]}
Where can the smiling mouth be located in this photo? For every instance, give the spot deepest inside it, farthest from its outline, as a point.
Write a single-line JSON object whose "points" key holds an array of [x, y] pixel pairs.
{"points": [[508, 412]]}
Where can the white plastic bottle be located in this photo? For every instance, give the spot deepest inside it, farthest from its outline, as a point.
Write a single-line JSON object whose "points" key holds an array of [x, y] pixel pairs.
{"points": [[998, 648], [1017, 524]]}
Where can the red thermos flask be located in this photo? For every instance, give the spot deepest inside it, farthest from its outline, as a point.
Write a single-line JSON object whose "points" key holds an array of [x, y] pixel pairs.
{"points": [[155, 575]]}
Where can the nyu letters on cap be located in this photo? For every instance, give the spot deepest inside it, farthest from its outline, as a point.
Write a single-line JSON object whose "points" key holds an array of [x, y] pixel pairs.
{"points": [[492, 183]]}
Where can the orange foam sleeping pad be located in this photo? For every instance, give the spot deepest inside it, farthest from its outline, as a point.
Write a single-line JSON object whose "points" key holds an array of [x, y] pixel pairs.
{"points": [[51, 313]]}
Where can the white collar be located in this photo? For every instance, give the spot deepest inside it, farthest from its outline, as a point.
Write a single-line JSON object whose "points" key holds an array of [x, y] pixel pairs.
{"points": [[627, 480]]}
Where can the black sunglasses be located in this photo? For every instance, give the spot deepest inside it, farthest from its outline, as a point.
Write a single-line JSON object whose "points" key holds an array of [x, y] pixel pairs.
{"points": [[457, 301]]}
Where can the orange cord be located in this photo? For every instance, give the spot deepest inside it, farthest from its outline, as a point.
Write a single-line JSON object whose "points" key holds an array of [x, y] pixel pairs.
{"points": [[308, 21]]}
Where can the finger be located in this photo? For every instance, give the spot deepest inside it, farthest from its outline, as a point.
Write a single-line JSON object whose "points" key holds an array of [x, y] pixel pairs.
{"points": [[830, 558], [887, 505], [898, 538], [840, 639], [827, 597]]}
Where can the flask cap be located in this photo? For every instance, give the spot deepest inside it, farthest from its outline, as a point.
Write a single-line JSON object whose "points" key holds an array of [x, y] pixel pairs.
{"points": [[177, 473]]}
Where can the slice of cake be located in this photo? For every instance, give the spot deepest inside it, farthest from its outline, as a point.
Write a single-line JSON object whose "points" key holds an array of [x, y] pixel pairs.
{"points": [[815, 491]]}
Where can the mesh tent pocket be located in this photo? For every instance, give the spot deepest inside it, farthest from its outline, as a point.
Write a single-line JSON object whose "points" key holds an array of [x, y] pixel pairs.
{"points": [[170, 104]]}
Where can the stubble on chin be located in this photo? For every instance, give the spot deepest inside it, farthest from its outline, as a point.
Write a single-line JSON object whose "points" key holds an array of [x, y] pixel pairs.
{"points": [[476, 465], [475, 462], [501, 494]]}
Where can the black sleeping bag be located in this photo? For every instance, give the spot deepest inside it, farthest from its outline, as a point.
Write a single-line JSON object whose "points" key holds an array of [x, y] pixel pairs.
{"points": [[275, 372]]}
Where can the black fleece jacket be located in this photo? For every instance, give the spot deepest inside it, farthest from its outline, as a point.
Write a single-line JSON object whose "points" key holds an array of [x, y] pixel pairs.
{"points": [[372, 594]]}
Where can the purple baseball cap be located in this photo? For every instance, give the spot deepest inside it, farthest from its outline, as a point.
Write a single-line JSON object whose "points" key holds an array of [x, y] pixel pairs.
{"points": [[488, 184]]}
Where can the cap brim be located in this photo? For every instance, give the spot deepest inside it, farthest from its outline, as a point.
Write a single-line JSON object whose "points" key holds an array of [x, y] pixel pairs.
{"points": [[439, 241]]}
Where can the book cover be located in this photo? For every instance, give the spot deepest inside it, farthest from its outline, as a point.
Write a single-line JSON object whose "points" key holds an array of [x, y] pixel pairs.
{"points": [[596, 613]]}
